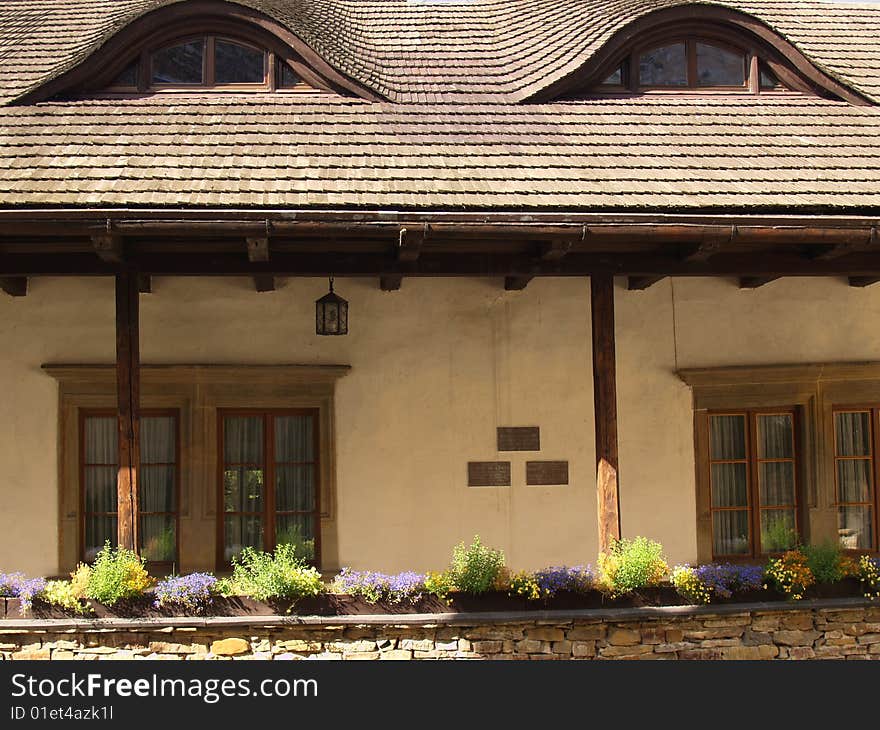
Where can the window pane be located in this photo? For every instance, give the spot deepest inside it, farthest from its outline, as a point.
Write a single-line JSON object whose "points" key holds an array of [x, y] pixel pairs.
{"points": [[768, 79], [729, 485], [158, 538], [128, 77], [852, 434], [854, 480], [854, 528], [776, 483], [615, 79], [158, 440], [156, 489], [236, 64], [98, 529], [243, 489], [777, 530], [102, 440], [288, 76], [240, 532], [297, 530], [100, 488], [730, 533], [665, 66], [181, 64], [728, 437], [719, 66], [243, 440], [294, 439], [775, 436], [295, 489]]}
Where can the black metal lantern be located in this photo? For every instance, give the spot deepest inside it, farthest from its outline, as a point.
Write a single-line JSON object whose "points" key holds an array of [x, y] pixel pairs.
{"points": [[331, 314]]}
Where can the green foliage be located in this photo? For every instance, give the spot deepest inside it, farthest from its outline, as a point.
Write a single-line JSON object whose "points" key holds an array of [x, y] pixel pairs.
{"points": [[476, 568], [826, 562], [280, 574], [777, 537], [117, 573], [869, 574], [632, 564], [61, 593], [292, 535]]}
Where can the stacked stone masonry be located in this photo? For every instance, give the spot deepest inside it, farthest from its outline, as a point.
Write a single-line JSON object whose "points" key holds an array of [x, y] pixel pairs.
{"points": [[818, 633]]}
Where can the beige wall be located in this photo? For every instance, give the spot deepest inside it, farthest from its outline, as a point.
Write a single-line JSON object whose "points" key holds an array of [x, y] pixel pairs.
{"points": [[435, 368]]}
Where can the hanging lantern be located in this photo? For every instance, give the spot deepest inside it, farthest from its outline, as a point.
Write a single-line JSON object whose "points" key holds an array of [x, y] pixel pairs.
{"points": [[331, 314]]}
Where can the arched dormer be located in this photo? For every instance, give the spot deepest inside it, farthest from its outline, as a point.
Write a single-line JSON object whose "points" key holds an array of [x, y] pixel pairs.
{"points": [[696, 49], [205, 46]]}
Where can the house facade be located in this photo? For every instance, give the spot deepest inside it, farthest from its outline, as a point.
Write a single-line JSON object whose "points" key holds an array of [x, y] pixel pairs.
{"points": [[608, 270]]}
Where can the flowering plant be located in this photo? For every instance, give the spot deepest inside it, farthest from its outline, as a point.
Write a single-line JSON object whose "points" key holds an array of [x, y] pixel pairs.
{"points": [[476, 568], [632, 564], [869, 573], [716, 580], [28, 590], [117, 573], [440, 584], [375, 587], [193, 592], [525, 585], [62, 593], [281, 574], [791, 574], [9, 583]]}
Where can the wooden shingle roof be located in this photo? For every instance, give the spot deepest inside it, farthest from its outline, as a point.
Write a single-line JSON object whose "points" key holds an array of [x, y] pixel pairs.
{"points": [[455, 133]]}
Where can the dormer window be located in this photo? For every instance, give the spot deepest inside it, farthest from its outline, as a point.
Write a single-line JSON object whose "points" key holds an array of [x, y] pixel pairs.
{"points": [[209, 62], [690, 65]]}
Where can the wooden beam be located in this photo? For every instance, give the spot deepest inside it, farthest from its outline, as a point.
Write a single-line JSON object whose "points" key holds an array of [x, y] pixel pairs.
{"points": [[555, 250], [755, 282], [516, 283], [128, 407], [14, 286], [829, 253], [409, 244], [109, 247], [390, 282], [863, 281], [145, 283], [264, 282], [258, 249], [640, 283], [712, 245], [605, 409]]}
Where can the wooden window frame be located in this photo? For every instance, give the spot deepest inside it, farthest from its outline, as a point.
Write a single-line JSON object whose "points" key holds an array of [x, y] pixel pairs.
{"points": [[85, 413], [873, 410], [269, 513], [273, 66], [753, 490]]}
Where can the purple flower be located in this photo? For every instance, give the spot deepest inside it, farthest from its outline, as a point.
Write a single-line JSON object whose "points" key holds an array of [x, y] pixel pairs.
{"points": [[375, 587], [28, 590], [190, 592], [578, 579], [9, 584], [725, 579]]}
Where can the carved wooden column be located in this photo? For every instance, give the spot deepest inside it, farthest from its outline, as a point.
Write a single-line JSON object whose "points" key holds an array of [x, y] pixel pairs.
{"points": [[605, 408], [128, 407]]}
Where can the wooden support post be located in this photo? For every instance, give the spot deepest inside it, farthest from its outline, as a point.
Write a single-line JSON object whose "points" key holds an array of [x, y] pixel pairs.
{"points": [[390, 282], [14, 286], [264, 282], [128, 407], [605, 408]]}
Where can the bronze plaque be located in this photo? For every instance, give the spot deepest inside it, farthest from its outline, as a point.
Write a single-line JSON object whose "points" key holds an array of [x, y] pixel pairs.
{"points": [[519, 438], [546, 472], [488, 473]]}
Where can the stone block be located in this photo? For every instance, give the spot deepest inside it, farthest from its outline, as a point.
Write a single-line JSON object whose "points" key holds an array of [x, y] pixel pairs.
{"points": [[416, 644], [624, 637], [673, 636], [164, 647], [529, 646], [583, 648], [586, 633], [361, 655], [487, 647], [801, 652], [561, 647], [620, 652], [545, 633], [750, 653], [230, 647], [31, 654], [795, 638], [797, 622], [397, 654]]}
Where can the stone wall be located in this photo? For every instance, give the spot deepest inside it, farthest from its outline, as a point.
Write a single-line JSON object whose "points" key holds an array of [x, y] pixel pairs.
{"points": [[845, 629]]}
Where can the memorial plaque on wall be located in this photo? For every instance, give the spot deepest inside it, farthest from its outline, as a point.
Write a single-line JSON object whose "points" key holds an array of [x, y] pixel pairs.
{"points": [[519, 438], [488, 473], [546, 472]]}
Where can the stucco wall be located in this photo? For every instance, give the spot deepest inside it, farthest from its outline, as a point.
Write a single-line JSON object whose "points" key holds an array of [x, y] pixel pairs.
{"points": [[435, 368]]}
